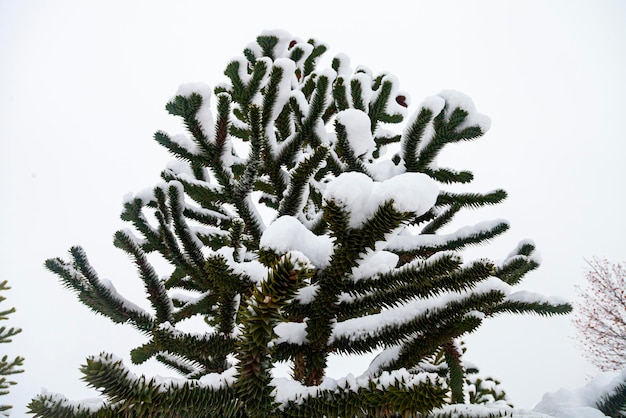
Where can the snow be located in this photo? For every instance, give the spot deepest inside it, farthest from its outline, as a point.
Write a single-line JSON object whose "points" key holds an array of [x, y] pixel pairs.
{"points": [[433, 103], [375, 263], [365, 81], [286, 390], [301, 100], [207, 212], [409, 242], [184, 142], [534, 255], [287, 234], [254, 211], [290, 332], [307, 294], [447, 101], [171, 329], [253, 269], [183, 363], [331, 75], [180, 191], [307, 48], [203, 115], [210, 380], [499, 409], [361, 196], [382, 170], [285, 85], [188, 297], [186, 177], [357, 124], [455, 99], [525, 296], [369, 325], [344, 64], [179, 166], [133, 237], [581, 402], [281, 49], [220, 380], [146, 195], [127, 304], [326, 137], [392, 106], [86, 405], [242, 65], [410, 192], [388, 355]]}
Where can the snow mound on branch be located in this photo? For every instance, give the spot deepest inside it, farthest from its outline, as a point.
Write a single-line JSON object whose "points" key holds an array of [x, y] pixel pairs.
{"points": [[361, 196], [287, 234], [375, 263], [357, 124], [455, 99], [204, 115], [524, 296], [285, 86], [287, 390]]}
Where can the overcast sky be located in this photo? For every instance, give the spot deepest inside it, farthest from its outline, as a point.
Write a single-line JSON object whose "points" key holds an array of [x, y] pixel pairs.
{"points": [[83, 87]]}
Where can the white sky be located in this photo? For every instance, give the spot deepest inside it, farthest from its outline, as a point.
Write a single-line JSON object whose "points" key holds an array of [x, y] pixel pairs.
{"points": [[83, 87]]}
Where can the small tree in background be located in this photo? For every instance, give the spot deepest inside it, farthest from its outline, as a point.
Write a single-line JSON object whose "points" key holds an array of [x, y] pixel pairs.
{"points": [[299, 225], [601, 315], [8, 367]]}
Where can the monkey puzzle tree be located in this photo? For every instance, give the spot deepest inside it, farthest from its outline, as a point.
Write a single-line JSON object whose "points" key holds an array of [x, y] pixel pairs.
{"points": [[299, 225], [8, 366]]}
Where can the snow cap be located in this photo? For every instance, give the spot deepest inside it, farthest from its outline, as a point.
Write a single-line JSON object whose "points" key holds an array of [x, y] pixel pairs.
{"points": [[361, 196]]}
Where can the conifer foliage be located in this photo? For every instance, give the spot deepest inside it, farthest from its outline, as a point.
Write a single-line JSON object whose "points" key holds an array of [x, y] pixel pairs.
{"points": [[8, 366], [299, 225]]}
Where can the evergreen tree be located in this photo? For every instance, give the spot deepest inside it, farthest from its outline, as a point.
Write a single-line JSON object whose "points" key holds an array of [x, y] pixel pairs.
{"points": [[8, 366], [300, 226]]}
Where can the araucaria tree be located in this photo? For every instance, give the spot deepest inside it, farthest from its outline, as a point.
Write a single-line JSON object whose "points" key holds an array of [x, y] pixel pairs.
{"points": [[8, 366], [300, 225], [601, 315]]}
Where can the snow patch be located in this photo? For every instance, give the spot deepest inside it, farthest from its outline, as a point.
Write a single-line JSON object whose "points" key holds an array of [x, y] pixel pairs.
{"points": [[344, 64], [187, 144], [361, 196], [370, 325], [285, 85], [524, 296], [287, 234], [581, 402], [290, 332], [357, 124], [281, 49], [455, 99], [287, 390], [203, 115], [377, 263], [411, 242]]}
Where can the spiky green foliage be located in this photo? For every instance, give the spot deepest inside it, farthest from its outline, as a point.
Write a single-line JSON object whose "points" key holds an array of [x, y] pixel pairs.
{"points": [[613, 404], [132, 396], [484, 391], [298, 226], [8, 366], [465, 383]]}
